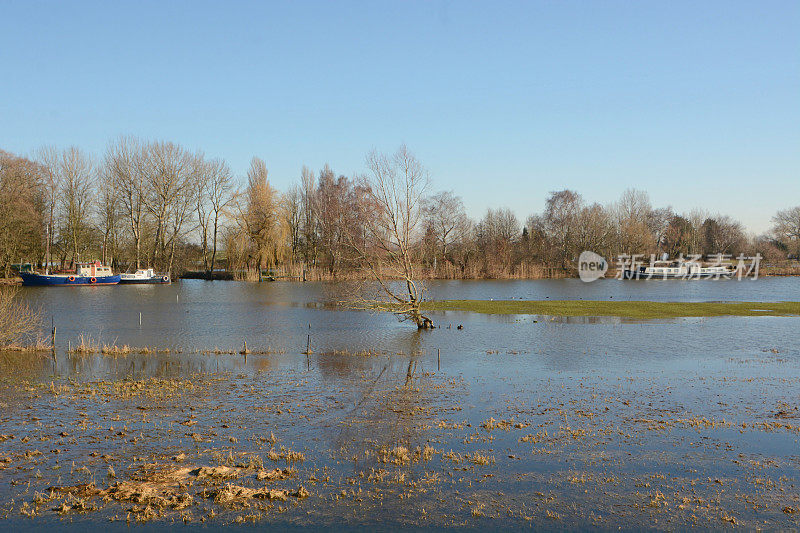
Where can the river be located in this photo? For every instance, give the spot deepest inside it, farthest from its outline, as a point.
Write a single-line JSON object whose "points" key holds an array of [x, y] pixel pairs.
{"points": [[511, 422]]}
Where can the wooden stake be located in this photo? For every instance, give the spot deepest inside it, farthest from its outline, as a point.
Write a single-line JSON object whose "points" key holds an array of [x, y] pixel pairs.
{"points": [[438, 360]]}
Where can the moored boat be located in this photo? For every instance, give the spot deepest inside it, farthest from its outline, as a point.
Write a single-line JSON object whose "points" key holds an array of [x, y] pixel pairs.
{"points": [[94, 273], [144, 276], [678, 270]]}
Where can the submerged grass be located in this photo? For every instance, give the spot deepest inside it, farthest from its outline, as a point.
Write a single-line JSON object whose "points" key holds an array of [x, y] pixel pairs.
{"points": [[626, 309]]}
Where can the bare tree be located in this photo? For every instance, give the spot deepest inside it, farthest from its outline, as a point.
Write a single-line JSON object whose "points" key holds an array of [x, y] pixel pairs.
{"points": [[260, 220], [48, 159], [77, 195], [333, 212], [220, 194], [678, 236], [722, 235], [658, 222], [444, 212], [203, 210], [180, 211], [309, 231], [634, 218], [559, 222], [391, 208], [696, 217], [293, 208], [634, 205], [125, 166], [786, 228], [22, 201], [594, 229], [496, 235], [108, 210], [169, 181]]}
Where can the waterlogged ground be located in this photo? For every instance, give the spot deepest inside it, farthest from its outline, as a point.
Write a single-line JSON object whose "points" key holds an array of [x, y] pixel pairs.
{"points": [[520, 422]]}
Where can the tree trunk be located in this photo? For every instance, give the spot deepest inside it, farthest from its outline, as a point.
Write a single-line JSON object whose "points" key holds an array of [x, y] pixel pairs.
{"points": [[214, 246], [171, 257], [138, 251]]}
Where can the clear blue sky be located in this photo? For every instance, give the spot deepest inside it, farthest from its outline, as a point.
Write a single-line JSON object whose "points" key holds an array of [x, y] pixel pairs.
{"points": [[696, 102]]}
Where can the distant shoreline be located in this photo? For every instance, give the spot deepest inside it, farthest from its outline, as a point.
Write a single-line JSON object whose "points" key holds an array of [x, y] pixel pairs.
{"points": [[227, 276]]}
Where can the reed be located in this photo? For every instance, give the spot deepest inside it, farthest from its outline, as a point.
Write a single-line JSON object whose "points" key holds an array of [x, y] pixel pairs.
{"points": [[87, 346]]}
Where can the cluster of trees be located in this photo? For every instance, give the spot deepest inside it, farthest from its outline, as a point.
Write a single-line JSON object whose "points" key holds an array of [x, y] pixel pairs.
{"points": [[143, 203], [148, 203], [500, 245]]}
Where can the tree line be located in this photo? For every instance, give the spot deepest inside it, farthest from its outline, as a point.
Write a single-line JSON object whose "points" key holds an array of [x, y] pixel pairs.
{"points": [[160, 205]]}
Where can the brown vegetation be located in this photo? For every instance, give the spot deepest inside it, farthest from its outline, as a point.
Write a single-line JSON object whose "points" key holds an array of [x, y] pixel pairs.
{"points": [[19, 323], [157, 204]]}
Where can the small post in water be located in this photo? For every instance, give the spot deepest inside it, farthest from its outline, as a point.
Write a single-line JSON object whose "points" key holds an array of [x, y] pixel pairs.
{"points": [[438, 359], [308, 351], [140, 318]]}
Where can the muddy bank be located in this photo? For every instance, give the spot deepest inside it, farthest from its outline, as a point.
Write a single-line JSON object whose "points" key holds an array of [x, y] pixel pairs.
{"points": [[354, 441]]}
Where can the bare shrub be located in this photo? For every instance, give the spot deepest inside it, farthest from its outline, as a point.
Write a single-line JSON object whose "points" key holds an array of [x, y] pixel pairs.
{"points": [[19, 322]]}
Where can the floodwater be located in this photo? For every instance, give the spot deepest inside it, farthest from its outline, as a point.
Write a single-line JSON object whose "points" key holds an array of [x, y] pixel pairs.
{"points": [[513, 422]]}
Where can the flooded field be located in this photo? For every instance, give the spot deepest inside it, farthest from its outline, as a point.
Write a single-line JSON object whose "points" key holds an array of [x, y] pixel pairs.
{"points": [[513, 422]]}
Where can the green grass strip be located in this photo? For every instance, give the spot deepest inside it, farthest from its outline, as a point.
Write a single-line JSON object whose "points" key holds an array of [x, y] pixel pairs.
{"points": [[625, 309]]}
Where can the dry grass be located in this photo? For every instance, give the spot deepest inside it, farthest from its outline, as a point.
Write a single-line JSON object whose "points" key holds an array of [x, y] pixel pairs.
{"points": [[19, 322], [87, 346]]}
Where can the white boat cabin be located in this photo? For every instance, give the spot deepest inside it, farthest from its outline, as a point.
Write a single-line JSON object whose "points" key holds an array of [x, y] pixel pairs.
{"points": [[141, 274], [92, 270], [681, 269]]}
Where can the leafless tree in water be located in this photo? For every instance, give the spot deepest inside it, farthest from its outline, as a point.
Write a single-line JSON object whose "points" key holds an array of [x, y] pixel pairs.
{"points": [[391, 216]]}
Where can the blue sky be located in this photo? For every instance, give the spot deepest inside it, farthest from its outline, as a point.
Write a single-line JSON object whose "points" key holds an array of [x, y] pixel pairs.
{"points": [[696, 102]]}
